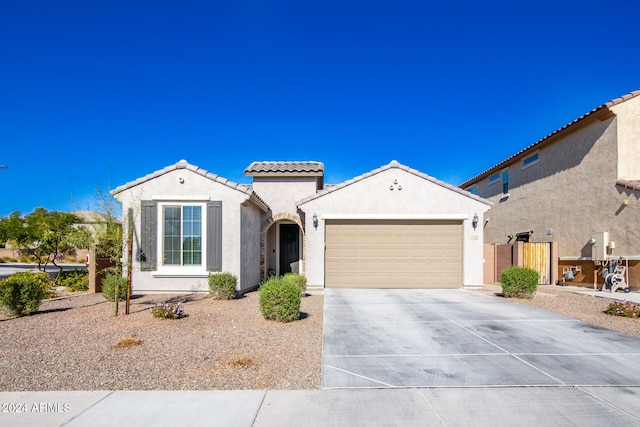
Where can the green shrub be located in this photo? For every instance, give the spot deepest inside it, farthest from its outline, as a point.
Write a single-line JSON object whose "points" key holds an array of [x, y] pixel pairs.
{"points": [[25, 259], [75, 281], [22, 293], [519, 282], [297, 279], [165, 310], [279, 300], [109, 287], [222, 285]]}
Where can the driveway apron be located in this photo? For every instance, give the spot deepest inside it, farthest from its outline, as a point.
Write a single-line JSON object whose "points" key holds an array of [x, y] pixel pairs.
{"points": [[384, 338]]}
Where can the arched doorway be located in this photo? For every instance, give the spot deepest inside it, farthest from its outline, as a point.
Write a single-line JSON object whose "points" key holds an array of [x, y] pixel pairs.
{"points": [[282, 245]]}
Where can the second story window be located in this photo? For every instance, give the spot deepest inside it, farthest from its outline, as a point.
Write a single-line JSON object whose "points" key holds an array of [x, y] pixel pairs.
{"points": [[533, 159], [505, 182]]}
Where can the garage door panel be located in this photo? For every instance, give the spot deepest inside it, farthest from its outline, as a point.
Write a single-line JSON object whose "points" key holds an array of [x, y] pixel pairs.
{"points": [[408, 254]]}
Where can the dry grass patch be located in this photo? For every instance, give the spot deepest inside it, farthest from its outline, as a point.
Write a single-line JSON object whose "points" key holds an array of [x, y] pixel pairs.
{"points": [[129, 341], [239, 361]]}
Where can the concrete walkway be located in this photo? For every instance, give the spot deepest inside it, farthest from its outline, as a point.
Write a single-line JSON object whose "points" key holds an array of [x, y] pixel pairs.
{"points": [[486, 406]]}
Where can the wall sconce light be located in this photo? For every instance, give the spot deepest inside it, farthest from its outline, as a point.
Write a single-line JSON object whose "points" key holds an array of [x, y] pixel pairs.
{"points": [[315, 220], [474, 221]]}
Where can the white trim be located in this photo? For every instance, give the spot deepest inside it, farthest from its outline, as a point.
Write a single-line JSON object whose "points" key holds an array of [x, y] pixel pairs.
{"points": [[454, 216], [181, 274], [164, 270], [181, 198]]}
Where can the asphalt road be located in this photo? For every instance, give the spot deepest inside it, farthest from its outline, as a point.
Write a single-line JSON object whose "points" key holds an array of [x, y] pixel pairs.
{"points": [[7, 269]]}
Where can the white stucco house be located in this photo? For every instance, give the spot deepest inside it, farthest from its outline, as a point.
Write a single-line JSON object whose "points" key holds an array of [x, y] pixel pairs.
{"points": [[393, 227]]}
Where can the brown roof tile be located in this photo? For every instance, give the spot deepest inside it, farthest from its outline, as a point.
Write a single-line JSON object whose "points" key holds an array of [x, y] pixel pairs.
{"points": [[632, 184], [284, 167]]}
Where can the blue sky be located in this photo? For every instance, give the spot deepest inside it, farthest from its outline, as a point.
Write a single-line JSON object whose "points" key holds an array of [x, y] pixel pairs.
{"points": [[96, 94]]}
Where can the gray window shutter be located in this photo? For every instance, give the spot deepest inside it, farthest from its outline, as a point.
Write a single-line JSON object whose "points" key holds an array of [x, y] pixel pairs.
{"points": [[148, 250], [214, 235]]}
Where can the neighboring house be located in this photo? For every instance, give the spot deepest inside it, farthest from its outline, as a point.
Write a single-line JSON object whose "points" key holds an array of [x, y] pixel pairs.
{"points": [[579, 187], [391, 227]]}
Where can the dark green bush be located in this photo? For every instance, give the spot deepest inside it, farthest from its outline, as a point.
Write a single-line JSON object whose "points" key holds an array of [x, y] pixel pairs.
{"points": [[75, 281], [297, 279], [22, 293], [109, 287], [222, 285], [519, 282], [279, 300]]}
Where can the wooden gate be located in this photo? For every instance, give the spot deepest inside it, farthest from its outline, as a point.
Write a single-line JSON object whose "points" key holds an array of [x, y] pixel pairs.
{"points": [[537, 256]]}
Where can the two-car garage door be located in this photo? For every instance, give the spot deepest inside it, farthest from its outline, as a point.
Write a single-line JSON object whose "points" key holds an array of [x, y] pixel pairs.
{"points": [[393, 254]]}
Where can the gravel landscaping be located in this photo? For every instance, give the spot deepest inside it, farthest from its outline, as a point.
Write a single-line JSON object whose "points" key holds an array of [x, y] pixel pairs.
{"points": [[72, 344], [76, 343], [587, 308]]}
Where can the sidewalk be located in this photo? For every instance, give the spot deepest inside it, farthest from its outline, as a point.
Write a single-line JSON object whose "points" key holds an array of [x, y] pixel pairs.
{"points": [[478, 406], [633, 296]]}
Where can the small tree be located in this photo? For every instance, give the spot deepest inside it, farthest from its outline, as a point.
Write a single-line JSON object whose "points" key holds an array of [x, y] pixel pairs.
{"points": [[43, 235]]}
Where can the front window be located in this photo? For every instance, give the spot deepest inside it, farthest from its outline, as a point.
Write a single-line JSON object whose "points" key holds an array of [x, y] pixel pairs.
{"points": [[182, 235]]}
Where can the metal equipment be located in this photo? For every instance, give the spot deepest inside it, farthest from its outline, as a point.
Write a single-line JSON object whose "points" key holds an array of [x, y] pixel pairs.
{"points": [[614, 275]]}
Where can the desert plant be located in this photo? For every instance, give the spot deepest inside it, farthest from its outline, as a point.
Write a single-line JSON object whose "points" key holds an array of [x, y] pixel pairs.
{"points": [[129, 341], [279, 300], [623, 308], [519, 282], [109, 287], [297, 279], [165, 310], [240, 361], [22, 293], [75, 281], [222, 285]]}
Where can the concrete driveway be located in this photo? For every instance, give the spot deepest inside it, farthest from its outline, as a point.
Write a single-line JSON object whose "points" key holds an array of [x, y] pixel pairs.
{"points": [[381, 338]]}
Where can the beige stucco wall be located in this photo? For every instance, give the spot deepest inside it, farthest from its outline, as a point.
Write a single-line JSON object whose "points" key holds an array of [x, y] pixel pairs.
{"points": [[194, 189], [571, 191], [281, 194], [371, 197], [628, 118]]}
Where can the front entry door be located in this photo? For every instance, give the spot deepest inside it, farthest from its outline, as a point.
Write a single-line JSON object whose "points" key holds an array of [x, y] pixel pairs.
{"points": [[289, 246]]}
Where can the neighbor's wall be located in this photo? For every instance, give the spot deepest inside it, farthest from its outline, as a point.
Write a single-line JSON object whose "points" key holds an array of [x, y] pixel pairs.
{"points": [[628, 120], [571, 191]]}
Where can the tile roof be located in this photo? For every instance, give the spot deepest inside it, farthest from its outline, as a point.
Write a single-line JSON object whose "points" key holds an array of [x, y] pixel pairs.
{"points": [[632, 184], [284, 167], [393, 164], [183, 164], [536, 144]]}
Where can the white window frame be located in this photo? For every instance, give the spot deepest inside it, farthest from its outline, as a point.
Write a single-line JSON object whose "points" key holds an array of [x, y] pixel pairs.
{"points": [[494, 178], [181, 270]]}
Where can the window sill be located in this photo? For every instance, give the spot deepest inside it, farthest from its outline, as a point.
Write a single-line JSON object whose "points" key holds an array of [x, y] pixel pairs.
{"points": [[178, 273]]}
